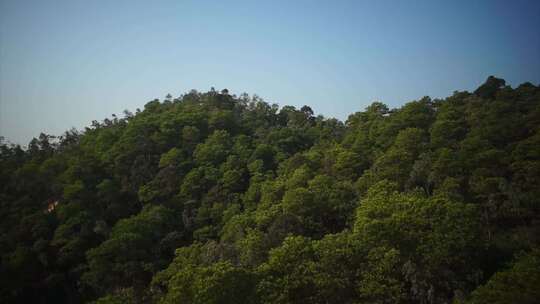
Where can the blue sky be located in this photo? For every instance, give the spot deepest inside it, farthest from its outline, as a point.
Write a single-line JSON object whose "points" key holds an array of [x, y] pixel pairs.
{"points": [[66, 63]]}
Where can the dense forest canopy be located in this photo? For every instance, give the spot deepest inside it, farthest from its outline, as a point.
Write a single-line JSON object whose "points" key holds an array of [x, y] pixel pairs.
{"points": [[217, 198]]}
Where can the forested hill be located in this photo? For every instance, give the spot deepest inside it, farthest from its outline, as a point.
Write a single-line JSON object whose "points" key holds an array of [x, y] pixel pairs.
{"points": [[215, 198]]}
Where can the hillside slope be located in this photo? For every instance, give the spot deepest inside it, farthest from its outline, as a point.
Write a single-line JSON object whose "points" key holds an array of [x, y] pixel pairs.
{"points": [[214, 198]]}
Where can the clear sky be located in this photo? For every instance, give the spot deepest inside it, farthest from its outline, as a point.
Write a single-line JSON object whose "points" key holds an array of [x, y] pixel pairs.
{"points": [[66, 63]]}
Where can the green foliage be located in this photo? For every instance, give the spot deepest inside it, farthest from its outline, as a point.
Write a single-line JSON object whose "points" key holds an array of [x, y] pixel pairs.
{"points": [[429, 243], [518, 284], [218, 283], [130, 256], [214, 150], [288, 276], [217, 198]]}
